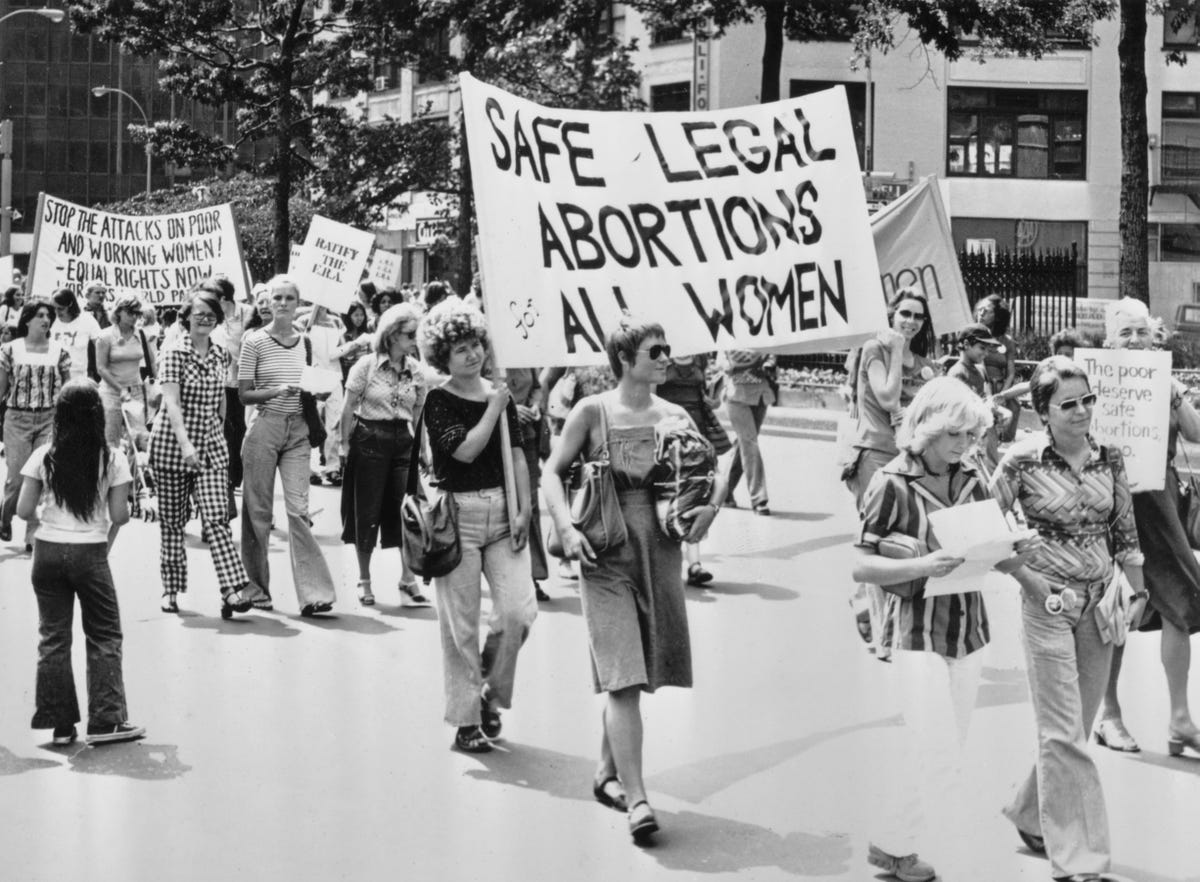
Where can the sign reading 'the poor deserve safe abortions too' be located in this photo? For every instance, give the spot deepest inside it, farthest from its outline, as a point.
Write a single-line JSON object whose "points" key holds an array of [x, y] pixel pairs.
{"points": [[156, 257], [738, 228]]}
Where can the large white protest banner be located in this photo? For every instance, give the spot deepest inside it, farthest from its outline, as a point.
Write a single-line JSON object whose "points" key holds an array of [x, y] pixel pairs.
{"points": [[915, 249], [331, 263], [157, 257], [384, 269], [1133, 408], [737, 228]]}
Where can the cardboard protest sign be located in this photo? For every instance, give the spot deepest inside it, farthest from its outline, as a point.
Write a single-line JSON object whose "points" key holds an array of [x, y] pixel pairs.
{"points": [[331, 263], [737, 228], [1133, 408], [157, 257], [914, 248], [384, 269]]}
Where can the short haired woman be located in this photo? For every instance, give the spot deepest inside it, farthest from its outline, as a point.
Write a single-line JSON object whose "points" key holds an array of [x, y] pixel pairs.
{"points": [[235, 320], [633, 597], [189, 456], [384, 396], [936, 657], [272, 361], [462, 419], [73, 329], [1073, 491], [81, 486], [33, 369], [120, 350]]}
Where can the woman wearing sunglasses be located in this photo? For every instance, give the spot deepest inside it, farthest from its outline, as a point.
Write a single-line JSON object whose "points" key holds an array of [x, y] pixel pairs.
{"points": [[1172, 574], [886, 375], [1073, 491]]}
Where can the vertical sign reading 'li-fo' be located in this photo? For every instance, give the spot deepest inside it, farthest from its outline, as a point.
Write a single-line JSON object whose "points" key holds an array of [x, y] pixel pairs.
{"points": [[1133, 408], [737, 228]]}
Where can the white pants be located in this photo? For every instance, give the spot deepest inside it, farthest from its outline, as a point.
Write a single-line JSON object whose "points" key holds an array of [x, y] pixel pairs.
{"points": [[924, 785]]}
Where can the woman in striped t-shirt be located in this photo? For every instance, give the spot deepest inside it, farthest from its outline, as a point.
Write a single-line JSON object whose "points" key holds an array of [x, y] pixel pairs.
{"points": [[269, 369]]}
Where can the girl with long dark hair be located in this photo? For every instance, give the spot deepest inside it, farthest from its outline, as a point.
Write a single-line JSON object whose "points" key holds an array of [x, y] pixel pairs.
{"points": [[81, 487]]}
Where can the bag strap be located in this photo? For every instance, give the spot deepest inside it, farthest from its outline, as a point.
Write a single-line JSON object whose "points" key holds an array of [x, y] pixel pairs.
{"points": [[307, 349], [1192, 482], [146, 355], [414, 462], [602, 450]]}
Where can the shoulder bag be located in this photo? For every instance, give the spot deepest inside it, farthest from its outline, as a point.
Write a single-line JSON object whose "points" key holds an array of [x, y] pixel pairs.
{"points": [[685, 466], [428, 530], [1189, 502], [900, 546], [312, 414], [596, 508]]}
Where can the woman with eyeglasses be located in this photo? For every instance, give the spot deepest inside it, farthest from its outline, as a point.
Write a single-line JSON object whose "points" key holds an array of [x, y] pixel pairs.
{"points": [[1172, 573], [633, 596], [189, 455], [272, 361], [885, 375], [33, 369], [120, 351], [1074, 492], [384, 396]]}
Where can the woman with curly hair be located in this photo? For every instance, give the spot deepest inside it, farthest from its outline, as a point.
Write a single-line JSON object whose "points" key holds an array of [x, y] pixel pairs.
{"points": [[120, 350], [462, 419], [81, 486], [33, 368]]}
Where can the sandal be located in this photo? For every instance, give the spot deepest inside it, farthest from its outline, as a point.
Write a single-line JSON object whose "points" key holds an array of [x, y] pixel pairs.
{"points": [[365, 597], [642, 823], [410, 595], [312, 609], [610, 793], [169, 605], [697, 575], [1035, 843], [862, 621], [490, 717], [232, 601], [1113, 735], [470, 739], [263, 603]]}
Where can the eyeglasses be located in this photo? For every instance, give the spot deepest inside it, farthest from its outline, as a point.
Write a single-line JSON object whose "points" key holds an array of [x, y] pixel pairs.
{"points": [[909, 314], [204, 318], [1070, 404], [657, 351]]}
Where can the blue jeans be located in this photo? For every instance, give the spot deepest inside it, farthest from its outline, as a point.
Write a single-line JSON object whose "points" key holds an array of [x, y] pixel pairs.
{"points": [[61, 571], [280, 441], [486, 551], [24, 432]]}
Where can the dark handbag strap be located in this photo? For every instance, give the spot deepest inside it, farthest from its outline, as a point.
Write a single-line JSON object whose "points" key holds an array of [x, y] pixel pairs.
{"points": [[146, 355], [307, 349], [601, 452], [1191, 475], [414, 463]]}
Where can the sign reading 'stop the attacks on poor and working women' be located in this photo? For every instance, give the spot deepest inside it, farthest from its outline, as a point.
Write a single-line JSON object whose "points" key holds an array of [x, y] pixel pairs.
{"points": [[1133, 408], [737, 228], [331, 263], [157, 257]]}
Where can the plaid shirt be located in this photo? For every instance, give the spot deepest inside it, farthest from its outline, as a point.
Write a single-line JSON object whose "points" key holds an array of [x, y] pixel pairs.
{"points": [[201, 382]]}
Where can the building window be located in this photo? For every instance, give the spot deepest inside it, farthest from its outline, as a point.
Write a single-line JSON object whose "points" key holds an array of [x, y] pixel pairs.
{"points": [[1177, 243], [856, 97], [1017, 133], [1181, 26], [662, 36], [437, 46], [1180, 138], [671, 96]]}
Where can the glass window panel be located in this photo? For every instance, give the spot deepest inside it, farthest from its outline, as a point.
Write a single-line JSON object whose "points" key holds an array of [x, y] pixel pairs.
{"points": [[1181, 150], [1180, 104], [963, 125], [80, 100], [56, 100], [39, 46], [956, 159], [77, 155], [98, 156], [1180, 242], [968, 99], [79, 47], [35, 156], [1033, 146], [997, 136], [35, 98]]}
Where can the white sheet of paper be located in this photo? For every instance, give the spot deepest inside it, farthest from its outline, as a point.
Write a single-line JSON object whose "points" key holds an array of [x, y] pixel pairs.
{"points": [[976, 532], [318, 380]]}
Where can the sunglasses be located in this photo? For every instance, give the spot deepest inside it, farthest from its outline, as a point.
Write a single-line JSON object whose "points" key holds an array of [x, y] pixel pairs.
{"points": [[204, 318], [657, 351], [1070, 404], [909, 314]]}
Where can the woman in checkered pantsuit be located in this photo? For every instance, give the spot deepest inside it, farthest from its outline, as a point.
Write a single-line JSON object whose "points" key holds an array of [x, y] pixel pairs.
{"points": [[189, 456]]}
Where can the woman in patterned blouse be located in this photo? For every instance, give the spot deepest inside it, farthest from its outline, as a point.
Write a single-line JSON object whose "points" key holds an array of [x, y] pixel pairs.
{"points": [[385, 392], [190, 458], [1073, 491]]}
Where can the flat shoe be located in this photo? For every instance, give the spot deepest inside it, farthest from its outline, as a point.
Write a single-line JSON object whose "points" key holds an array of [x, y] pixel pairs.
{"points": [[312, 609], [697, 575], [642, 823], [1036, 844], [610, 793], [169, 604], [490, 719], [470, 739], [1113, 735]]}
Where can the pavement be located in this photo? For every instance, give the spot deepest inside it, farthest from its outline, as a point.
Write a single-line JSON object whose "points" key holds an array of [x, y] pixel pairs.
{"points": [[282, 748]]}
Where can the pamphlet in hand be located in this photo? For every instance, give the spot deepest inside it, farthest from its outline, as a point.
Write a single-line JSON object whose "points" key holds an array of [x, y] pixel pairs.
{"points": [[978, 533], [319, 381]]}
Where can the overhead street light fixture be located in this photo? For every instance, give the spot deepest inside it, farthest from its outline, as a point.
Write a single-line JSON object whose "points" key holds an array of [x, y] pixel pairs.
{"points": [[53, 15], [100, 91]]}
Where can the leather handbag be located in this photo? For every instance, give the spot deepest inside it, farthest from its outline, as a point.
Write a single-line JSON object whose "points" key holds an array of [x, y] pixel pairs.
{"points": [[308, 403], [595, 508], [900, 546], [429, 540]]}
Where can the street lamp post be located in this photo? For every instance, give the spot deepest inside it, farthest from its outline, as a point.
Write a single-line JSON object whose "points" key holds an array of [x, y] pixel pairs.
{"points": [[105, 90], [54, 16]]}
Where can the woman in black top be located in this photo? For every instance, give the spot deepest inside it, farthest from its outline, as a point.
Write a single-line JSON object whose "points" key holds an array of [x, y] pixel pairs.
{"points": [[462, 421]]}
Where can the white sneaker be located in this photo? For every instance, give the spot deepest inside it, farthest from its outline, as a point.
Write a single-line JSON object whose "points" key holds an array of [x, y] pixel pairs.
{"points": [[114, 734]]}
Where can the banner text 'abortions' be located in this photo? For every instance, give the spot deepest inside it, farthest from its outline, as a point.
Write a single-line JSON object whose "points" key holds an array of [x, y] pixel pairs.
{"points": [[736, 228], [158, 257]]}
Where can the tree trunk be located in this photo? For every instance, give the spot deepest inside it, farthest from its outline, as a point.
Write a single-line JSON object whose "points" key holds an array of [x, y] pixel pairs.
{"points": [[772, 59], [1134, 267]]}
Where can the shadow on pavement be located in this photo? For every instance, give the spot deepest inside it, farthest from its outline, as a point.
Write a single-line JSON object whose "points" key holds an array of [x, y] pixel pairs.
{"points": [[262, 625], [788, 552], [777, 515], [566, 604], [1188, 764], [349, 623], [11, 764], [414, 613], [135, 759], [1122, 873], [711, 592]]}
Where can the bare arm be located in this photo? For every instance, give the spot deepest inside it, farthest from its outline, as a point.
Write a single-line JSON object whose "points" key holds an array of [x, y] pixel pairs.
{"points": [[347, 424], [103, 350], [118, 510], [1189, 419], [250, 395], [31, 492], [4, 381], [575, 434], [886, 378], [479, 434]]}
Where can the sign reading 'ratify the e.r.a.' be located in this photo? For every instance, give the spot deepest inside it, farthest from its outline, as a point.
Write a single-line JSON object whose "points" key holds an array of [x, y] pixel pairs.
{"points": [[738, 228]]}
